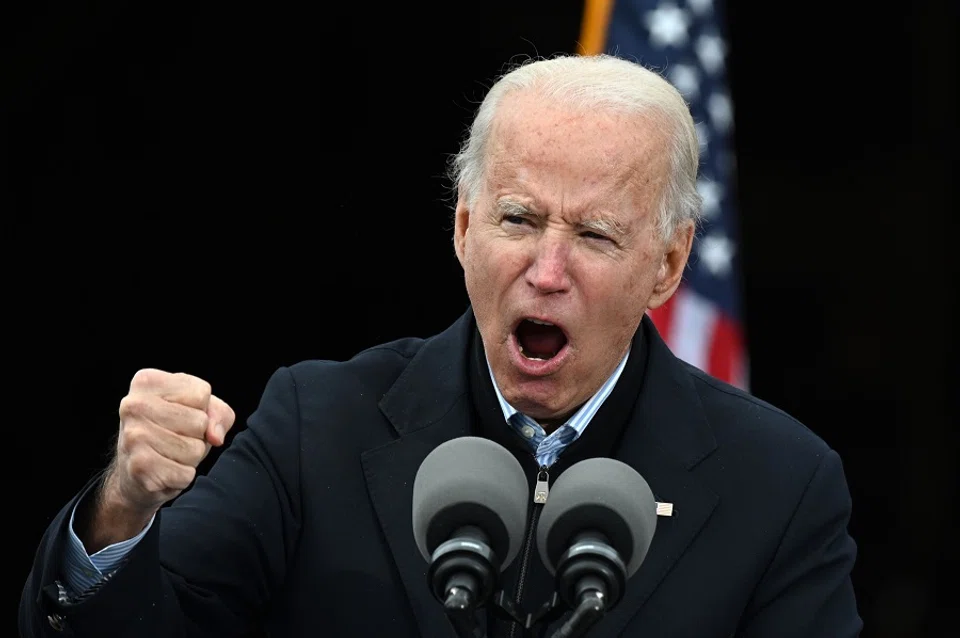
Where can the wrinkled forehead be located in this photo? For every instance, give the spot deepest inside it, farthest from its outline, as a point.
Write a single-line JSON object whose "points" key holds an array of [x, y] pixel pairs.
{"points": [[596, 149]]}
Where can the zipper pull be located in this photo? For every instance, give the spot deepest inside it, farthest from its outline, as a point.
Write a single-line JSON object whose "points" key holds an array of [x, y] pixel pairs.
{"points": [[542, 490]]}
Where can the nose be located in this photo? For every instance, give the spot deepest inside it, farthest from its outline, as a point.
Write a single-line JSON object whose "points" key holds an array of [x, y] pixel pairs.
{"points": [[549, 271]]}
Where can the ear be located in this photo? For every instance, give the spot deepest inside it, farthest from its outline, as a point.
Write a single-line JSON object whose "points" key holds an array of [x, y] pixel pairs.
{"points": [[460, 223], [672, 265]]}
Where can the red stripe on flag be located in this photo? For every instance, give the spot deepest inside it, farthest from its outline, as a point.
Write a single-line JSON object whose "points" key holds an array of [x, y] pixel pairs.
{"points": [[663, 316], [724, 355], [725, 359]]}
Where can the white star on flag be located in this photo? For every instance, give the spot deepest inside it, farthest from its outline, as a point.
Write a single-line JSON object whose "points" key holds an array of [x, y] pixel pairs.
{"points": [[716, 252], [710, 192], [668, 25], [700, 7], [721, 111], [685, 78], [711, 50]]}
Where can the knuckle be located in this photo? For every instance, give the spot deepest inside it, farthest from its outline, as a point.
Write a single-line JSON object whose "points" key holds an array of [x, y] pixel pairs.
{"points": [[183, 449], [152, 484], [182, 477], [132, 437], [196, 391], [168, 415], [197, 450], [178, 447], [198, 423], [145, 378], [198, 386], [175, 417], [147, 473], [140, 466], [133, 405]]}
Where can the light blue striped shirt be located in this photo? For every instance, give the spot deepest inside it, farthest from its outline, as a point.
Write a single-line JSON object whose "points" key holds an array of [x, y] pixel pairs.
{"points": [[548, 448], [81, 570]]}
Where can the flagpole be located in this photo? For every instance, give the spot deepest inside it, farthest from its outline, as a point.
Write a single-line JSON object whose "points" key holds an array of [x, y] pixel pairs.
{"points": [[593, 27]]}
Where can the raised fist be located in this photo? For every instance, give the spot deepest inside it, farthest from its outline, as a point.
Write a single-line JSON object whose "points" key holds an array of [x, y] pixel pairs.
{"points": [[168, 422]]}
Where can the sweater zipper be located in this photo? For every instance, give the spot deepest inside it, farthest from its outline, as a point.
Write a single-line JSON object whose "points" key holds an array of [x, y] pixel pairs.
{"points": [[540, 492]]}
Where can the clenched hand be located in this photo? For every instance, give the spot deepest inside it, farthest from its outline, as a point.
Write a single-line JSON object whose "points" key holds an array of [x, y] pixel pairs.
{"points": [[168, 422]]}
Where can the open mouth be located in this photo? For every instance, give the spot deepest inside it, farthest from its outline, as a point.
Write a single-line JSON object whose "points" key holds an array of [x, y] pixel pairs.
{"points": [[539, 340]]}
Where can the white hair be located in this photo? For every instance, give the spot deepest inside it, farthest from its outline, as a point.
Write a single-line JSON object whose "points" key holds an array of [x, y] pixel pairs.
{"points": [[595, 82]]}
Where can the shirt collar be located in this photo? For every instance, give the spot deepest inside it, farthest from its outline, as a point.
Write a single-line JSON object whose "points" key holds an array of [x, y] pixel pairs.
{"points": [[581, 418]]}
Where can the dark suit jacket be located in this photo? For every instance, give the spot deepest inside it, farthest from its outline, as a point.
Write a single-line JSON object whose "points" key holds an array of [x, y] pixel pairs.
{"points": [[304, 522]]}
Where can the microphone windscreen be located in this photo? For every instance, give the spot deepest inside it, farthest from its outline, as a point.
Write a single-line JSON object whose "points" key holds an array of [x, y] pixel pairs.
{"points": [[598, 495], [470, 481]]}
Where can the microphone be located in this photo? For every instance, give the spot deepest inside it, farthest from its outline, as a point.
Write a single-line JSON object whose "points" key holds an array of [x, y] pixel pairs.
{"points": [[470, 502], [593, 534]]}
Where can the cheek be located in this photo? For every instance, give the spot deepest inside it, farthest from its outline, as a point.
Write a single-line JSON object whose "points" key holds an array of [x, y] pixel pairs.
{"points": [[482, 271], [495, 264], [610, 282], [618, 296], [639, 286]]}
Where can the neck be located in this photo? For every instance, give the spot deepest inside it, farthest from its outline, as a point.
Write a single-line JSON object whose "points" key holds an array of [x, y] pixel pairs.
{"points": [[553, 424]]}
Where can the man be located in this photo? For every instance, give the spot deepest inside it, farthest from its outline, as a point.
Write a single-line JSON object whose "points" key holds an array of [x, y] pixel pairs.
{"points": [[575, 215]]}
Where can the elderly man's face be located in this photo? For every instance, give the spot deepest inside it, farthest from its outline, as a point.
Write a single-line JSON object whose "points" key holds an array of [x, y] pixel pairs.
{"points": [[564, 233]]}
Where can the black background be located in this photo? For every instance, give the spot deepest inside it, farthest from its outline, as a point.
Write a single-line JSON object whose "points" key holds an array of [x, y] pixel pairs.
{"points": [[226, 188]]}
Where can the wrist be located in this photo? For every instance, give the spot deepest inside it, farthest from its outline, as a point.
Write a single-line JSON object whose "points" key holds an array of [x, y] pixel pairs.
{"points": [[109, 518]]}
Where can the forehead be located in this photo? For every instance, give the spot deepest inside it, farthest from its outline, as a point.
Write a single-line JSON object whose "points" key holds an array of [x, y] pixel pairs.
{"points": [[579, 156]]}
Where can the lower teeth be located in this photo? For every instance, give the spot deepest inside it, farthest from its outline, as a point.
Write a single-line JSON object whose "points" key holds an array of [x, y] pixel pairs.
{"points": [[526, 356]]}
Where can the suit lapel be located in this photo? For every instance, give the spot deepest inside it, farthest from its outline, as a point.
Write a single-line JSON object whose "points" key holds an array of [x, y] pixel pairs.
{"points": [[427, 406], [693, 503], [669, 435]]}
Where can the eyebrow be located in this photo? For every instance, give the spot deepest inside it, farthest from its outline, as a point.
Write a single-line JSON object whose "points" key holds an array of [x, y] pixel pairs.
{"points": [[603, 224], [507, 206]]}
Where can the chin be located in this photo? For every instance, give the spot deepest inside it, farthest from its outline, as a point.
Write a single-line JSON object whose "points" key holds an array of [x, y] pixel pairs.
{"points": [[537, 398]]}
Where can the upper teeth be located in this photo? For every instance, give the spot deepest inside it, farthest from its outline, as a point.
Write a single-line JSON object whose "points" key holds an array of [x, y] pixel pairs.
{"points": [[542, 323]]}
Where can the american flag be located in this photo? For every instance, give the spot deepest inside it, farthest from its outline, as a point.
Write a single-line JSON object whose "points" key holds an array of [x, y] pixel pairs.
{"points": [[684, 40]]}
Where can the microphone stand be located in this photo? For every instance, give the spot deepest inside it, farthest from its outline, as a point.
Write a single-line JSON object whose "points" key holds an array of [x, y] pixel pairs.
{"points": [[586, 614], [591, 577], [461, 607]]}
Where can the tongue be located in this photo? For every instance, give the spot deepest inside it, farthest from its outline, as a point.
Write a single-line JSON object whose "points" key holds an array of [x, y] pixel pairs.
{"points": [[540, 341]]}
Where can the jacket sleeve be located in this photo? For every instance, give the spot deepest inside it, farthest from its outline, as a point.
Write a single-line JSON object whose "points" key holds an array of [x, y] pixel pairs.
{"points": [[807, 590], [82, 571], [211, 560]]}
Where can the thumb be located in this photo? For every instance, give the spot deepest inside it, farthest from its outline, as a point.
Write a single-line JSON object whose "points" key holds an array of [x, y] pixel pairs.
{"points": [[220, 418]]}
